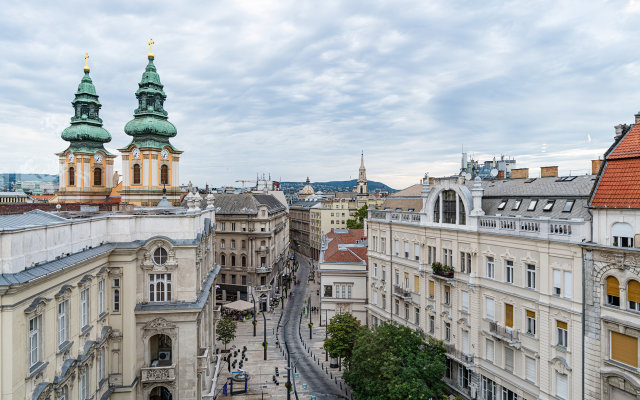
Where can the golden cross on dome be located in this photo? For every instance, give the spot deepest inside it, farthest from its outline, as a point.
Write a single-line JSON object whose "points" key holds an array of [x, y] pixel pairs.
{"points": [[86, 62], [151, 43]]}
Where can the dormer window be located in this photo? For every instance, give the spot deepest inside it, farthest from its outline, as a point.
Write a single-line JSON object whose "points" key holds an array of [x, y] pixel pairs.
{"points": [[502, 205], [568, 205], [516, 205], [622, 234], [549, 205]]}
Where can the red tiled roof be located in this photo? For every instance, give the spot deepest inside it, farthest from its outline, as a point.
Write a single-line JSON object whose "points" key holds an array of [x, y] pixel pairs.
{"points": [[349, 255], [629, 146], [619, 184]]}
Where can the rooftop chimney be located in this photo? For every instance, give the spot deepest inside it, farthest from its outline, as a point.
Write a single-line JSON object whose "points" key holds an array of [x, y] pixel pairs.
{"points": [[549, 171], [620, 129], [519, 173], [500, 176], [595, 166], [637, 118]]}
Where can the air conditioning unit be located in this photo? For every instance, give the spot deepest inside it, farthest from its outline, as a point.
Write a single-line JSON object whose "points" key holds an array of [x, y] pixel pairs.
{"points": [[164, 355]]}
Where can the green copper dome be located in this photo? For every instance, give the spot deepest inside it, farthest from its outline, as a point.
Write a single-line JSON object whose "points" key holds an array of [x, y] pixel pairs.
{"points": [[86, 132], [150, 124]]}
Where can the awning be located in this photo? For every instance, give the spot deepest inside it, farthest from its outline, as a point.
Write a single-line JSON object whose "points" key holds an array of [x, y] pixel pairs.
{"points": [[239, 305]]}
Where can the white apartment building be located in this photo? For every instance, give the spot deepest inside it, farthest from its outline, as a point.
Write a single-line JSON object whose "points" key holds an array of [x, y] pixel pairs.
{"points": [[510, 310]]}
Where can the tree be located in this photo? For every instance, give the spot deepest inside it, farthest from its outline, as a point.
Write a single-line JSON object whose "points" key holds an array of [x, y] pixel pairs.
{"points": [[341, 334], [396, 362], [226, 330], [358, 221]]}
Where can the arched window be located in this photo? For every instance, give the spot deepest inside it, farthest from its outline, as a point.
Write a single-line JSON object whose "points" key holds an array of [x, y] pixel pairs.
{"points": [[160, 287], [449, 198], [622, 234], [223, 260], [97, 177], [613, 291], [436, 210], [164, 175], [136, 174], [160, 256], [233, 260], [633, 295], [244, 261], [72, 176], [222, 244]]}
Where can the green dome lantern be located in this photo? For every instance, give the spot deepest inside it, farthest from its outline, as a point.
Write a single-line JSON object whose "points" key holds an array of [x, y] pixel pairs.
{"points": [[86, 133], [150, 126]]}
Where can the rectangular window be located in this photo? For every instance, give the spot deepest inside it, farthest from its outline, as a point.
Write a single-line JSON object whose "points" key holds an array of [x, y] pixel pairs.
{"points": [[397, 307], [624, 349], [416, 283], [384, 302], [432, 324], [447, 331], [490, 309], [375, 270], [557, 282], [417, 315], [532, 205], [489, 389], [530, 369], [328, 291], [508, 271], [508, 394], [34, 340], [468, 263], [549, 205], [568, 206], [84, 308], [100, 364], [489, 350], [465, 301], [337, 291], [100, 297], [396, 246], [447, 257], [490, 268], [562, 332], [406, 250], [530, 322], [343, 291], [233, 279], [416, 251], [406, 281], [384, 274], [244, 280], [383, 246], [508, 359], [447, 295], [115, 290], [432, 289], [83, 384], [160, 287], [233, 243], [233, 226], [465, 342], [222, 226], [568, 292], [62, 322], [464, 376], [508, 315], [349, 292], [502, 204], [406, 311], [375, 298], [562, 386], [531, 276], [397, 282], [516, 205]]}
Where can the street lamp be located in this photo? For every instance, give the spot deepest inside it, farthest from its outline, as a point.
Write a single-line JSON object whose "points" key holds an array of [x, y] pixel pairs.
{"points": [[264, 342], [253, 300], [310, 323]]}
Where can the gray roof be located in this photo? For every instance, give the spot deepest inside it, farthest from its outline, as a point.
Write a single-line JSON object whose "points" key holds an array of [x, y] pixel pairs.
{"points": [[246, 203], [302, 204], [13, 194], [28, 219], [557, 189]]}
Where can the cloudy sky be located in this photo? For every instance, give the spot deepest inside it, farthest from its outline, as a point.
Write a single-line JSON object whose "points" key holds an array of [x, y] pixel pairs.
{"points": [[297, 88]]}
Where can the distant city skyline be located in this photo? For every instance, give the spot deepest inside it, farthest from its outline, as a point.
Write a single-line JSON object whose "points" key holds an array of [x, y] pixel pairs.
{"points": [[297, 90]]}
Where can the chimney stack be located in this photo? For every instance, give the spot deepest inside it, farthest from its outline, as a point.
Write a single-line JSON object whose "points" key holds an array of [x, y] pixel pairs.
{"points": [[620, 129], [595, 166], [637, 118], [520, 173], [500, 176], [549, 171]]}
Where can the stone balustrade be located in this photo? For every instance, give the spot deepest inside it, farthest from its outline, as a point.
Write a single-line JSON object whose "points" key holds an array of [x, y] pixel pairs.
{"points": [[158, 374]]}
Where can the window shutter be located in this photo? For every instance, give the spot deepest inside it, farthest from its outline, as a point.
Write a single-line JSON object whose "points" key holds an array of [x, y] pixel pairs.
{"points": [[432, 288], [562, 386], [465, 342], [561, 324], [624, 349], [416, 283], [567, 285], [490, 309], [531, 314], [613, 287], [633, 290], [508, 315], [557, 277], [489, 350], [531, 369], [465, 300]]}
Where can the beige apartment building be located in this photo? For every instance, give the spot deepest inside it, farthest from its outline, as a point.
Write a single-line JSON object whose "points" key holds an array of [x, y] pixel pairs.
{"points": [[252, 245], [508, 304], [300, 224], [612, 274]]}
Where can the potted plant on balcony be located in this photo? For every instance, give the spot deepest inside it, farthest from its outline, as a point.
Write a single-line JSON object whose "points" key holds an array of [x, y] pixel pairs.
{"points": [[437, 268], [447, 271]]}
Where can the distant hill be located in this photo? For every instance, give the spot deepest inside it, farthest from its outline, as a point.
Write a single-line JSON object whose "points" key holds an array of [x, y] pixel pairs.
{"points": [[336, 186]]}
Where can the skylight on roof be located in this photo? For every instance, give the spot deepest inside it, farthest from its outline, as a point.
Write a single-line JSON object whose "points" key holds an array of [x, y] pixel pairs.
{"points": [[532, 205], [549, 205], [502, 204], [566, 179], [530, 180], [568, 205], [516, 205]]}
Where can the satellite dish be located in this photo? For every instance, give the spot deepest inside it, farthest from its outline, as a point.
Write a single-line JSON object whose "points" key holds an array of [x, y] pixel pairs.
{"points": [[467, 176], [494, 173]]}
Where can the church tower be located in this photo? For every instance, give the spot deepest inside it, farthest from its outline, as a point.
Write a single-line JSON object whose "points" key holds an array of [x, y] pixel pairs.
{"points": [[362, 179], [85, 167], [150, 162]]}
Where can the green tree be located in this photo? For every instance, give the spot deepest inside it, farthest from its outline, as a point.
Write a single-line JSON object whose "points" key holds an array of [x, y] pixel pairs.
{"points": [[226, 330], [341, 334], [396, 362], [358, 221]]}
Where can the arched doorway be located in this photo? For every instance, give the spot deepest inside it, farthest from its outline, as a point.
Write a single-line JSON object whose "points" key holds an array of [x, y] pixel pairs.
{"points": [[160, 393], [160, 351]]}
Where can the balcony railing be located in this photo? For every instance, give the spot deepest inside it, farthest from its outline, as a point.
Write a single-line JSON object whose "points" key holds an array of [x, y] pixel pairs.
{"points": [[443, 273], [158, 374], [263, 269], [406, 217], [543, 228], [263, 288], [504, 332], [459, 355], [400, 291], [203, 359]]}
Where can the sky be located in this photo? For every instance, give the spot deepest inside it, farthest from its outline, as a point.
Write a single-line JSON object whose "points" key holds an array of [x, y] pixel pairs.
{"points": [[300, 88]]}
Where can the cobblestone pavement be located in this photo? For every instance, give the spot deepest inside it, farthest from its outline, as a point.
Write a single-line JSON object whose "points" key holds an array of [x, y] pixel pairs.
{"points": [[312, 374]]}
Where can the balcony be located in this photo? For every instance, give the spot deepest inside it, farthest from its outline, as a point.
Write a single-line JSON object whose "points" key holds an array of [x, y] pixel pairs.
{"points": [[459, 355], [443, 271], [509, 335], [401, 292], [264, 269], [263, 249], [263, 288], [405, 217], [203, 359], [573, 230], [158, 374]]}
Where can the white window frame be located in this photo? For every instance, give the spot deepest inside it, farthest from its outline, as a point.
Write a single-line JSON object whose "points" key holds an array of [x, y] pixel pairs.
{"points": [[447, 332], [416, 251], [63, 306], [100, 296], [530, 367], [489, 350], [530, 325], [568, 284], [562, 388], [508, 271], [115, 293], [84, 308], [557, 283], [531, 276], [491, 272], [154, 293], [34, 324], [83, 383], [465, 301], [563, 336], [490, 311]]}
